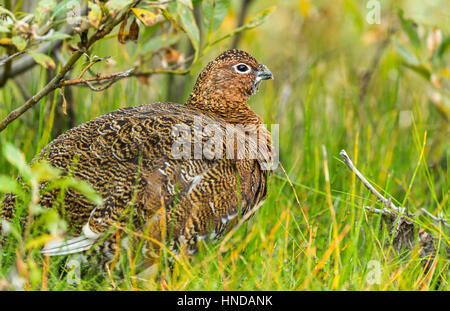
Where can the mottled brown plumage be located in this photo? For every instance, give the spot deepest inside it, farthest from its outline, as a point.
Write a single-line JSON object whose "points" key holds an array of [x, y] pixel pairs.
{"points": [[127, 156]]}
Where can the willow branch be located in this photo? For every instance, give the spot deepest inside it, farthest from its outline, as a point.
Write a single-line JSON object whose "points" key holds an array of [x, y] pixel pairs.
{"points": [[27, 62], [54, 83], [114, 77], [150, 72], [158, 2]]}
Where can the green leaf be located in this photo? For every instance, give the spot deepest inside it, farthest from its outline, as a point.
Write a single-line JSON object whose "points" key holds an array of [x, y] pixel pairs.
{"points": [[254, 22], [65, 6], [115, 6], [148, 18], [410, 30], [172, 20], [214, 12], [53, 221], [95, 13], [43, 9], [19, 42], [17, 159], [59, 36], [190, 26], [43, 59], [259, 18], [187, 3]]}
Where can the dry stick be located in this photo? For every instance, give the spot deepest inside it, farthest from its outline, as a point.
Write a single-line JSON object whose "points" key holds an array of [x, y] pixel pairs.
{"points": [[53, 84], [436, 219], [387, 202], [117, 76]]}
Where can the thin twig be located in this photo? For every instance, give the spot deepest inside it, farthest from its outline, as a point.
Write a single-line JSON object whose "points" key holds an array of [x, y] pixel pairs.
{"points": [[436, 219], [54, 83], [386, 202], [375, 210], [114, 77], [158, 2], [10, 57], [92, 64], [159, 71], [358, 174]]}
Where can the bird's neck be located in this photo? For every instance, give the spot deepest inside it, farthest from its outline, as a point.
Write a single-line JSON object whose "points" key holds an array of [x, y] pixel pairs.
{"points": [[235, 111]]}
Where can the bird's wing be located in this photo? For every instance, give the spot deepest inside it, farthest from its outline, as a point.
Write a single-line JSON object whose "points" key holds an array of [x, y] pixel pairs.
{"points": [[201, 199], [144, 131], [129, 152]]}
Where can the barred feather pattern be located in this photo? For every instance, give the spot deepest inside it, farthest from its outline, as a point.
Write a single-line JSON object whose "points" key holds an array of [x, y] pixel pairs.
{"points": [[126, 156]]}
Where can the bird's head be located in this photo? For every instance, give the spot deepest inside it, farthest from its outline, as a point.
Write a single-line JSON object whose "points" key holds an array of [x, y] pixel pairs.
{"points": [[227, 81]]}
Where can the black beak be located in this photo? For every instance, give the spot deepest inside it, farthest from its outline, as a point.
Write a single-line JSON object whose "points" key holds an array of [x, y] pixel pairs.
{"points": [[263, 73]]}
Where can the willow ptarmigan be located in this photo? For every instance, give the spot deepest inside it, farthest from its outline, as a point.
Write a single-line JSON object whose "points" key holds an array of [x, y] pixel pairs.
{"points": [[140, 159]]}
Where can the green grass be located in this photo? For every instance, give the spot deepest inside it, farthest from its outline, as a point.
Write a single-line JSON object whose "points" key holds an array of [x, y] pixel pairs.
{"points": [[395, 136]]}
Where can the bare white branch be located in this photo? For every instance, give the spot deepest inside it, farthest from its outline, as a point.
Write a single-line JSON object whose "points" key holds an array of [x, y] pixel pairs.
{"points": [[389, 206], [388, 203], [436, 219]]}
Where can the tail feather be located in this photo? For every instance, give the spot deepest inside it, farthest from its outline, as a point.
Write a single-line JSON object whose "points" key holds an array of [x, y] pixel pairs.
{"points": [[68, 246], [73, 245]]}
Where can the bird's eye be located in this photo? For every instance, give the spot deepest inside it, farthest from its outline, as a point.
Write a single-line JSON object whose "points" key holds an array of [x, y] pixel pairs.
{"points": [[241, 68]]}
